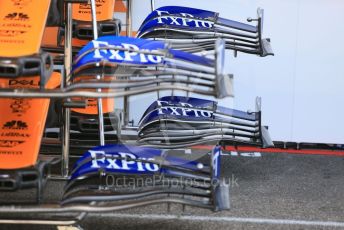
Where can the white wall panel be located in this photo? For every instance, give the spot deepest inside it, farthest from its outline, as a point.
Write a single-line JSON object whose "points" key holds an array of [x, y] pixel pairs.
{"points": [[302, 85]]}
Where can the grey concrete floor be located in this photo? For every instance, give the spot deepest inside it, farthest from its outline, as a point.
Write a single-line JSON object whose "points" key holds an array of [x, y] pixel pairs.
{"points": [[275, 191]]}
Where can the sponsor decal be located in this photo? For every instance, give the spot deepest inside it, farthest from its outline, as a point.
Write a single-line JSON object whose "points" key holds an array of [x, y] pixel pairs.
{"points": [[92, 102], [216, 161], [11, 33], [14, 27], [85, 8], [100, 160], [15, 125], [10, 143], [243, 154], [128, 56], [20, 4], [11, 153], [186, 20], [15, 134], [19, 106], [187, 110], [16, 16], [15, 24], [23, 83], [11, 41]]}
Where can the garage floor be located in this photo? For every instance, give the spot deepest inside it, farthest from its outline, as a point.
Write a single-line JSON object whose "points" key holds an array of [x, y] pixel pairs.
{"points": [[272, 191]]}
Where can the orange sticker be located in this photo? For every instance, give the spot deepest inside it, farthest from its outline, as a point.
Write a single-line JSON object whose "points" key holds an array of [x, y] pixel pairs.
{"points": [[50, 37], [21, 26], [22, 123], [92, 103], [104, 10], [120, 7], [92, 106], [78, 42]]}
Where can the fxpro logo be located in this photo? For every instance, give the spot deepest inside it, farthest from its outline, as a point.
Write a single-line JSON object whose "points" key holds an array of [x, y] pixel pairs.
{"points": [[129, 55], [183, 109], [187, 20], [125, 161]]}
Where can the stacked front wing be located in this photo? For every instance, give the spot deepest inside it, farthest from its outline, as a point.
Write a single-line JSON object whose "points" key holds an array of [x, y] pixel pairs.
{"points": [[130, 66], [176, 122], [195, 30], [117, 177], [136, 66], [122, 176]]}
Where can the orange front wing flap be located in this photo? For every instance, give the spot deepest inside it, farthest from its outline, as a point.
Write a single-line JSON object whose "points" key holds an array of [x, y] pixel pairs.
{"points": [[104, 11], [22, 123], [92, 103], [21, 26], [22, 120]]}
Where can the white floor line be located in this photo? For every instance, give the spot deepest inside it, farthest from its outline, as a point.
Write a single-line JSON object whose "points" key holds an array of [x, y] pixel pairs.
{"points": [[225, 219]]}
